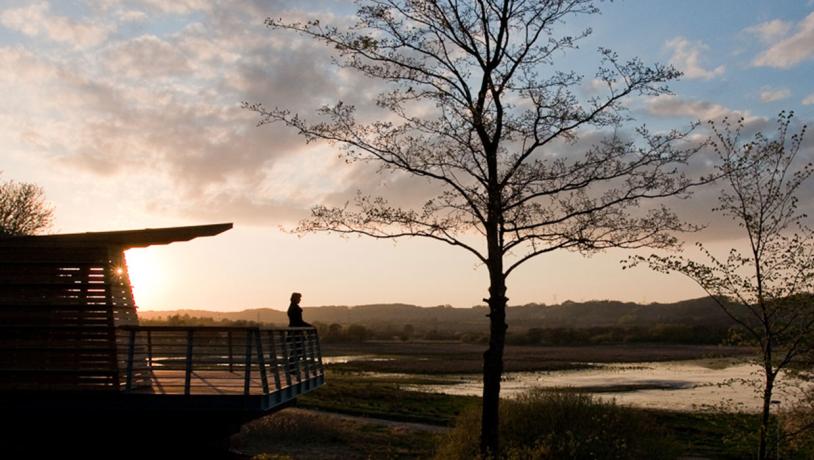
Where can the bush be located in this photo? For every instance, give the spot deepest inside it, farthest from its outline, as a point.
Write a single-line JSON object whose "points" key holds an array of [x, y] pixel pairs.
{"points": [[560, 425]]}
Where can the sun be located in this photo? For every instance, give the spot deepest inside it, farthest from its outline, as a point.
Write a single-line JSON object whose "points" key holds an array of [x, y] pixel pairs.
{"points": [[147, 276]]}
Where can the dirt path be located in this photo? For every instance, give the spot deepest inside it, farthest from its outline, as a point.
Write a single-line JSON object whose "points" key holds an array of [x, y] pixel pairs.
{"points": [[317, 435], [377, 421]]}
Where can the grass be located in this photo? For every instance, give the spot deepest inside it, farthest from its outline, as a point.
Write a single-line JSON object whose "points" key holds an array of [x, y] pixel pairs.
{"points": [[708, 434], [357, 394], [545, 425], [298, 434]]}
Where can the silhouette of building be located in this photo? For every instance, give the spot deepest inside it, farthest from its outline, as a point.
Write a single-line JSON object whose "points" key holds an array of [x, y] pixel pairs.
{"points": [[75, 363]]}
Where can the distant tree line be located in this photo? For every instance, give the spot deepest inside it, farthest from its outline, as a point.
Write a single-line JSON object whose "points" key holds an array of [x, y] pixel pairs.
{"points": [[659, 333], [187, 320], [329, 333], [338, 333], [690, 334]]}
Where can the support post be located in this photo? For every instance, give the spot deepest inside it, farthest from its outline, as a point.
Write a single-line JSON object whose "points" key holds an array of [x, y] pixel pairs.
{"points": [[274, 362], [131, 350], [247, 378], [188, 370], [150, 348], [261, 362], [286, 361], [231, 354]]}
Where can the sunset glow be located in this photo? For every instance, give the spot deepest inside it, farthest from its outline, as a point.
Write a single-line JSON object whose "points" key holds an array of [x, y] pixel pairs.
{"points": [[147, 275]]}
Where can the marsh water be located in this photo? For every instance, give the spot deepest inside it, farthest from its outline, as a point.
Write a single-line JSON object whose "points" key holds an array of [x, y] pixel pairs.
{"points": [[680, 385]]}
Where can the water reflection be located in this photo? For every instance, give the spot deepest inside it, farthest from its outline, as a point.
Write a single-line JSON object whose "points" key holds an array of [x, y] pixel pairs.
{"points": [[349, 358], [682, 385]]}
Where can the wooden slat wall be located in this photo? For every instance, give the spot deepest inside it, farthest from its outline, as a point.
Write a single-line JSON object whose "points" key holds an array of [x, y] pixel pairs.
{"points": [[59, 309], [68, 322]]}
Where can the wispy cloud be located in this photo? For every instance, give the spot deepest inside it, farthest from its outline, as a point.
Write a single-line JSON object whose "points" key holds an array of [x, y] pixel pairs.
{"points": [[687, 58], [770, 31], [178, 6], [808, 100], [791, 50], [146, 57], [768, 94], [131, 16], [675, 106], [36, 20]]}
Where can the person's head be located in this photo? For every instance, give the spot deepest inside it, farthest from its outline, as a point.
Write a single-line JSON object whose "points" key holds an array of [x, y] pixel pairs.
{"points": [[295, 297]]}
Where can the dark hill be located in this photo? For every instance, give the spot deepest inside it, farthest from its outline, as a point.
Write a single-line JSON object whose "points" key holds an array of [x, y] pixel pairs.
{"points": [[600, 313]]}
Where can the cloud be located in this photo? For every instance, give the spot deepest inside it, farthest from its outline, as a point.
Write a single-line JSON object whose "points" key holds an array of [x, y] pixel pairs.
{"points": [[164, 108], [20, 66], [178, 6], [35, 21], [131, 16], [687, 58], [770, 31], [675, 106], [768, 94], [808, 100], [145, 57], [791, 50]]}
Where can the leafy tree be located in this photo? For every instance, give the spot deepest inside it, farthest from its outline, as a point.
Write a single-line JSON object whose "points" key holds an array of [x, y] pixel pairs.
{"points": [[475, 105], [767, 288], [357, 333], [23, 210]]}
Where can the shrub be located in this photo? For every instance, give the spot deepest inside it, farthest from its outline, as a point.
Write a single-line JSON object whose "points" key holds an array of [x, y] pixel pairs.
{"points": [[561, 425]]}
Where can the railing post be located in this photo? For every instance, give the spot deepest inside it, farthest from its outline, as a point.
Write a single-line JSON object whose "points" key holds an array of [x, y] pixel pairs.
{"points": [[261, 362], [318, 350], [231, 356], [286, 357], [299, 336], [188, 373], [150, 348], [306, 353], [131, 350], [300, 359], [248, 375], [274, 362]]}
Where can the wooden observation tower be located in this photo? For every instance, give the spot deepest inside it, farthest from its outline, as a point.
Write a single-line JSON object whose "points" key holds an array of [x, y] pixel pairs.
{"points": [[74, 359]]}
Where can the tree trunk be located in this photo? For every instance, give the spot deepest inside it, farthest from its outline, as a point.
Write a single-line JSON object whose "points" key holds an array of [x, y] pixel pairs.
{"points": [[764, 420], [493, 360]]}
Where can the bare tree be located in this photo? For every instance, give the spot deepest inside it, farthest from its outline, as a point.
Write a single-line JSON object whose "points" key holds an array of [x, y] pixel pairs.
{"points": [[766, 289], [23, 210], [474, 103]]}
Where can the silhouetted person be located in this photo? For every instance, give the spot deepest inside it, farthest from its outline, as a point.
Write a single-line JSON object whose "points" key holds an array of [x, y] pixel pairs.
{"points": [[295, 312], [296, 339]]}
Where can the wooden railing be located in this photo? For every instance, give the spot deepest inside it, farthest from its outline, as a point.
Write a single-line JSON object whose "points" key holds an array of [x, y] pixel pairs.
{"points": [[219, 360]]}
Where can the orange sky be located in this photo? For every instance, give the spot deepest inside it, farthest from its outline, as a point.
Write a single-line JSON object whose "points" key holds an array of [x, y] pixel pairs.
{"points": [[253, 267]]}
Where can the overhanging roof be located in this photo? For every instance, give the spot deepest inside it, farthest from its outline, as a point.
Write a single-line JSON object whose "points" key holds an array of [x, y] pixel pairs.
{"points": [[123, 238]]}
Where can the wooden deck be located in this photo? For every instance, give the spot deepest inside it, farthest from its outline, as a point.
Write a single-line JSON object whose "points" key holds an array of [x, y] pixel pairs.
{"points": [[257, 365]]}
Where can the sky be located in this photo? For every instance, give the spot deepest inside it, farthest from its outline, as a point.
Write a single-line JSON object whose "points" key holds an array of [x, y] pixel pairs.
{"points": [[128, 114]]}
